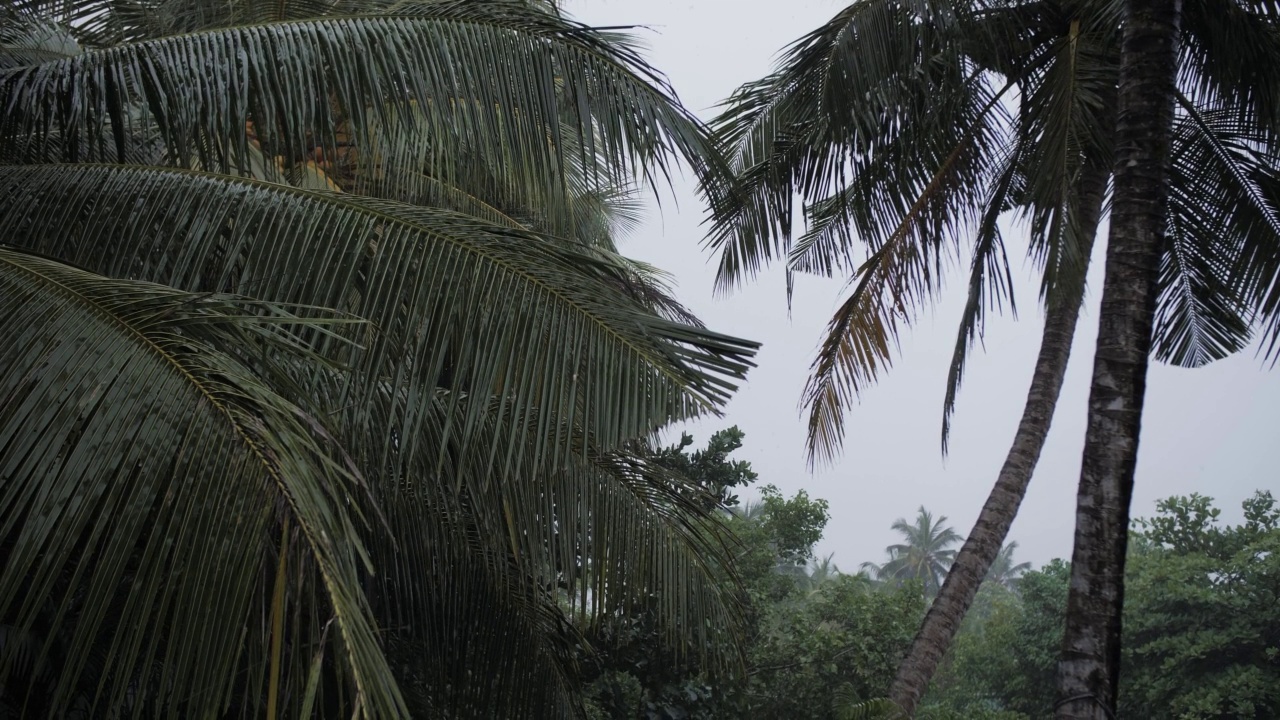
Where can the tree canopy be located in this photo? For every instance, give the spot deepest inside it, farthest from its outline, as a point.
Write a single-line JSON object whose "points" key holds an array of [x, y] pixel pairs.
{"points": [[326, 377]]}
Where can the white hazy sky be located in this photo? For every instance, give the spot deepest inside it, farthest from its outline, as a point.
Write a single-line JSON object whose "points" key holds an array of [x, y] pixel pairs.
{"points": [[1211, 430]]}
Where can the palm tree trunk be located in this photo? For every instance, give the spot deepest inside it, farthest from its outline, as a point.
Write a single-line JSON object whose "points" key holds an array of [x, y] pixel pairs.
{"points": [[989, 532], [1089, 668]]}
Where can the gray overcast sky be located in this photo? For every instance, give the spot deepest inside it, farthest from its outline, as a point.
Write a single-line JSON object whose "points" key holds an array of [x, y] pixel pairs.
{"points": [[1211, 430]]}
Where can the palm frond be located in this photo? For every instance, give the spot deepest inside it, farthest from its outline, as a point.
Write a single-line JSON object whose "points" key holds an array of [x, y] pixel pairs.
{"points": [[27, 39], [990, 282], [1218, 209], [887, 290], [301, 84], [611, 536], [149, 466], [1226, 57], [848, 706], [835, 99], [484, 311], [1066, 126]]}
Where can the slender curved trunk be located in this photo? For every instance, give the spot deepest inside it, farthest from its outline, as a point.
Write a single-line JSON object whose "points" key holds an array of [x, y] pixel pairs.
{"points": [[988, 535], [1089, 669]]}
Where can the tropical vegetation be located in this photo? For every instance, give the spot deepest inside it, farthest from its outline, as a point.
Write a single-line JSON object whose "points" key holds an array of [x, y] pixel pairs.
{"points": [[324, 386], [1200, 625], [326, 389], [924, 555], [1201, 628], [910, 132], [809, 630]]}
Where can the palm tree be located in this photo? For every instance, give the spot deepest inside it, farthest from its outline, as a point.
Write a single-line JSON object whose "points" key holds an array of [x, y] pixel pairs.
{"points": [[909, 168], [924, 555], [1004, 571], [958, 158], [1225, 52], [819, 573], [319, 397], [1089, 671], [751, 510]]}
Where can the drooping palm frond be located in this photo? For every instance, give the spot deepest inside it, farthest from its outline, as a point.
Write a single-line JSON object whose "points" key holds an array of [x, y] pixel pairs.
{"points": [[925, 180], [1226, 56], [496, 363], [849, 706], [301, 84], [1218, 208], [456, 303], [888, 290], [815, 130], [499, 372], [838, 101], [149, 469], [1066, 117], [27, 39], [608, 537], [990, 280]]}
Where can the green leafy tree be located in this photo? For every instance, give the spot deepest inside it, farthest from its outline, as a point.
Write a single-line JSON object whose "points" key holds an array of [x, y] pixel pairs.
{"points": [[1200, 632], [325, 376], [805, 636], [710, 468], [846, 634], [1004, 660], [1202, 626]]}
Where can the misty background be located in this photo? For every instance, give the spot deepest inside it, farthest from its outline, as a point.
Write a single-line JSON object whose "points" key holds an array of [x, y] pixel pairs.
{"points": [[1211, 430]]}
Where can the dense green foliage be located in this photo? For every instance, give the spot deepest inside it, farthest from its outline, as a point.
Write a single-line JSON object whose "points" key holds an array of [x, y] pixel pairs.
{"points": [[809, 628], [1201, 632], [1202, 612], [1202, 625], [321, 373]]}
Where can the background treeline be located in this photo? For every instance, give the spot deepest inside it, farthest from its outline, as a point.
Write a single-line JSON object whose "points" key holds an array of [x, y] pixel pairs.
{"points": [[1202, 619]]}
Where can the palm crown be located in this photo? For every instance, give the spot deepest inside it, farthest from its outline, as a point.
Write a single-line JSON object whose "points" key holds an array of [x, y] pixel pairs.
{"points": [[909, 128], [323, 389], [924, 554]]}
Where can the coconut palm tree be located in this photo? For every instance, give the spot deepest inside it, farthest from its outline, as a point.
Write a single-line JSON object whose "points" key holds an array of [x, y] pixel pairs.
{"points": [[1175, 55], [1089, 671], [912, 169], [958, 161], [1004, 571], [818, 573], [323, 368], [924, 555]]}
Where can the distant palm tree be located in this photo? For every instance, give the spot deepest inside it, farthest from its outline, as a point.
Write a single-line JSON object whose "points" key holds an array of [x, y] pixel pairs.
{"points": [[926, 554], [819, 573], [1003, 571], [749, 510]]}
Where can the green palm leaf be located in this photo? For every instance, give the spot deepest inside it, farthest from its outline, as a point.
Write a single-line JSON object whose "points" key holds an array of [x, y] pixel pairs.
{"points": [[990, 281], [303, 83], [482, 457], [490, 392], [609, 535], [148, 467], [28, 40], [1219, 208], [454, 302]]}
